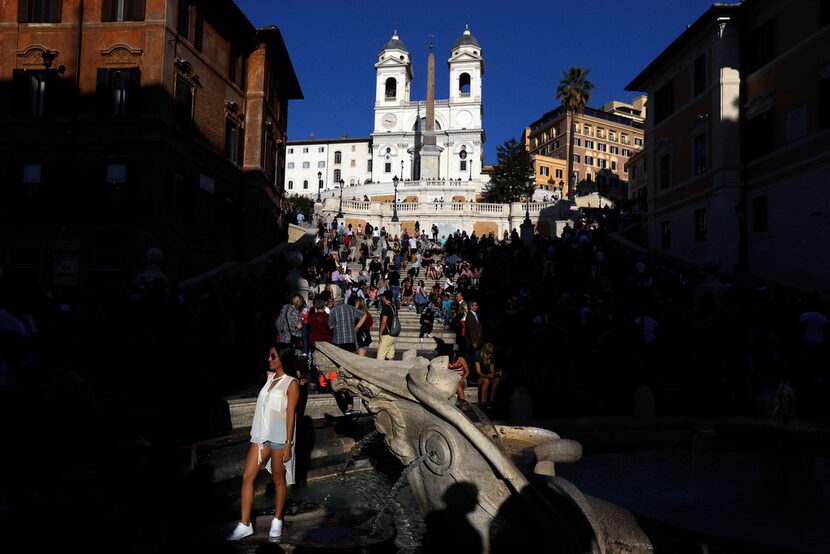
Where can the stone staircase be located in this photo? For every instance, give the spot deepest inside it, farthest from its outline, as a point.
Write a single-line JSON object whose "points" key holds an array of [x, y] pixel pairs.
{"points": [[441, 342]]}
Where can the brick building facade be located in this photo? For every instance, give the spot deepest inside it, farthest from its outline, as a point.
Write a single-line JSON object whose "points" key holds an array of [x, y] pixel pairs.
{"points": [[130, 124]]}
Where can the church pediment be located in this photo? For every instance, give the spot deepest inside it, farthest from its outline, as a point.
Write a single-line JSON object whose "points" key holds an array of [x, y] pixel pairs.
{"points": [[465, 57]]}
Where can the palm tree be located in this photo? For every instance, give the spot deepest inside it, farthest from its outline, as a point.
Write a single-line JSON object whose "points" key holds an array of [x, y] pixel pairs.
{"points": [[574, 91]]}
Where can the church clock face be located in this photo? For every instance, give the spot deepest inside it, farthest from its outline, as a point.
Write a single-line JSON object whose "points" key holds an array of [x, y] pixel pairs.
{"points": [[463, 118], [389, 120]]}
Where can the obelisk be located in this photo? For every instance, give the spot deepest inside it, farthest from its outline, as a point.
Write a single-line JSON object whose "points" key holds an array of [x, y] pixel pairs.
{"points": [[430, 152]]}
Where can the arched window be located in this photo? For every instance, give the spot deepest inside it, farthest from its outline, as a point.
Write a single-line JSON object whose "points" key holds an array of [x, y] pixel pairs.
{"points": [[305, 185], [336, 175], [337, 157], [464, 84], [391, 88], [421, 125], [290, 185]]}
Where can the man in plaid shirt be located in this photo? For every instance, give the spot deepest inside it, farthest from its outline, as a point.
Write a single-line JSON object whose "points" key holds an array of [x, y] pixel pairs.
{"points": [[342, 321]]}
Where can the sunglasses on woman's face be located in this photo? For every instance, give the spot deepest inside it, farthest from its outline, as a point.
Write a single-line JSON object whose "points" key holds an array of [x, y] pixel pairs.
{"points": [[272, 356]]}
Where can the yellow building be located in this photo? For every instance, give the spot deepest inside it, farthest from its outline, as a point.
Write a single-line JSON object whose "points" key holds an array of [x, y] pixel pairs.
{"points": [[603, 143]]}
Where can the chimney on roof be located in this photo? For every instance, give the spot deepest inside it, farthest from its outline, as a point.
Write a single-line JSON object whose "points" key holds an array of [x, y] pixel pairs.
{"points": [[344, 135], [312, 136]]}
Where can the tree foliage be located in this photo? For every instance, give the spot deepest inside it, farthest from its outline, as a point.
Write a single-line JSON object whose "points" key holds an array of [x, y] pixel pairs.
{"points": [[512, 176], [299, 203]]}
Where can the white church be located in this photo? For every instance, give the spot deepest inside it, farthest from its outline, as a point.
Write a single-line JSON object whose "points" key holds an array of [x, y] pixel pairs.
{"points": [[432, 162]]}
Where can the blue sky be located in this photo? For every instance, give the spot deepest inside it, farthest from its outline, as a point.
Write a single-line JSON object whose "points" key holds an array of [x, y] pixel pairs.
{"points": [[526, 45]]}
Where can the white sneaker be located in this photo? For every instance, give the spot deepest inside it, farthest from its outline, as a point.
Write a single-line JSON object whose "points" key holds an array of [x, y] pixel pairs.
{"points": [[276, 529], [241, 532]]}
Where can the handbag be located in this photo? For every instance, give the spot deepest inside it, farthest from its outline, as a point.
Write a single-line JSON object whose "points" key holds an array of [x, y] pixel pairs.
{"points": [[364, 337]]}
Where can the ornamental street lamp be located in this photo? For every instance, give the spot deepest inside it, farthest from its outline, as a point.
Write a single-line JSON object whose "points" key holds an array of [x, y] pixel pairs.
{"points": [[319, 184], [340, 210], [530, 183], [395, 202]]}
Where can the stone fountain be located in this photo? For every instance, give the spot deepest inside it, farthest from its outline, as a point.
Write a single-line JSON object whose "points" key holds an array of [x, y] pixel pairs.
{"points": [[506, 474]]}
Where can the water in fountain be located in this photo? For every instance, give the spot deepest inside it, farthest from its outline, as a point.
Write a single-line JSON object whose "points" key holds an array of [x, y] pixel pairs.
{"points": [[353, 454], [393, 492]]}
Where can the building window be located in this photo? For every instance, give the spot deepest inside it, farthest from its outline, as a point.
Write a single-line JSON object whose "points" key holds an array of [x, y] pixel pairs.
{"points": [[613, 166], [589, 160], [391, 88], [638, 141], [544, 171], [321, 164], [290, 165], [462, 165], [39, 11], [290, 150], [558, 173], [464, 85], [353, 163], [122, 10], [700, 225], [354, 147], [190, 22], [306, 165], [664, 102], [118, 91], [602, 164], [369, 166], [699, 154], [387, 167], [759, 135], [268, 150], [699, 75], [600, 134], [576, 158], [612, 136], [337, 175], [760, 223], [665, 235], [615, 149], [34, 92], [237, 65], [183, 104], [305, 150], [665, 171], [305, 185], [624, 139], [626, 152], [233, 141], [824, 98], [586, 130], [338, 157], [589, 144], [290, 185], [320, 149], [760, 46], [602, 147]]}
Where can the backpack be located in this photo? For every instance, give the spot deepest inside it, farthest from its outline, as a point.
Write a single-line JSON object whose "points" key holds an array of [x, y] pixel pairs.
{"points": [[395, 324]]}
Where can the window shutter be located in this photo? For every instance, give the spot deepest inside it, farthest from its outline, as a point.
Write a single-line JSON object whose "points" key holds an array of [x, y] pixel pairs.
{"points": [[55, 11], [51, 93], [241, 146], [23, 11], [102, 92], [20, 93], [138, 10], [134, 94], [106, 10], [197, 32]]}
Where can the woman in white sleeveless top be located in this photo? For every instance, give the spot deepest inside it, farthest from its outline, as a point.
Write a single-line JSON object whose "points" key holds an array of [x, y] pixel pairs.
{"points": [[272, 436]]}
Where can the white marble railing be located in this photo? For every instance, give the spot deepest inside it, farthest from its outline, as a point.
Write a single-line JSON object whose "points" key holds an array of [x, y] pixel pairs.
{"points": [[385, 209]]}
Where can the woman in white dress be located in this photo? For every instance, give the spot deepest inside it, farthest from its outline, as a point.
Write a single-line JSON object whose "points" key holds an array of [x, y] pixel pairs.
{"points": [[272, 437]]}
